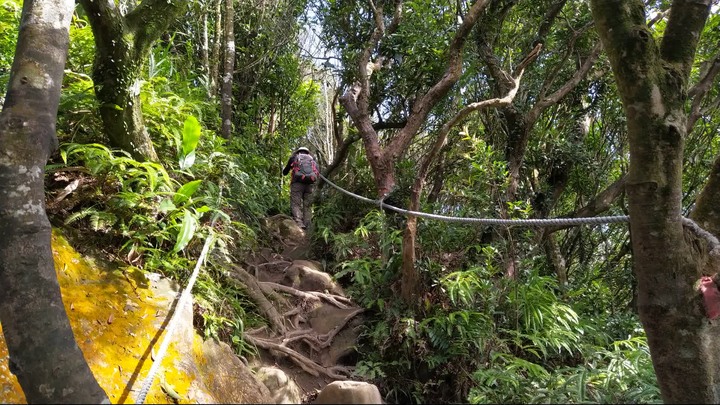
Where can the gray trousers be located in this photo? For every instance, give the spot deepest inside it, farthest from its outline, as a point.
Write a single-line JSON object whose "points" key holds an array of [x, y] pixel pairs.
{"points": [[301, 202]]}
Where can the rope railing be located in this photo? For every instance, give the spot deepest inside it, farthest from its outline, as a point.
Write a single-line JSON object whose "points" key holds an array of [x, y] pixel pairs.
{"points": [[489, 221], [184, 298]]}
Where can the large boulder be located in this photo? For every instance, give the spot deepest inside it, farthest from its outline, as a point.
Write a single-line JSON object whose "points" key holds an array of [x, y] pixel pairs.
{"points": [[307, 275], [284, 390], [349, 392]]}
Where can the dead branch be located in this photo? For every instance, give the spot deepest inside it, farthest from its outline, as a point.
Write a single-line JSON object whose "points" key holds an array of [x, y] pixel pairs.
{"points": [[67, 190]]}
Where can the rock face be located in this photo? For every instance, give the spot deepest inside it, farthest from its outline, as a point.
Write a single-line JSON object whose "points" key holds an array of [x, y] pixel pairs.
{"points": [[118, 317], [349, 392], [306, 275], [283, 389], [290, 237]]}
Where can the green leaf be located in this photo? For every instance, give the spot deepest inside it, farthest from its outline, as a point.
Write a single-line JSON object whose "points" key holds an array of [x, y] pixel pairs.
{"points": [[187, 231], [187, 160], [186, 191], [191, 135], [166, 205], [203, 209]]}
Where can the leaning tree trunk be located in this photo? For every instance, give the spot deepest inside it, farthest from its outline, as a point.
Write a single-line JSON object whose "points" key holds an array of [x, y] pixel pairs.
{"points": [[43, 353], [652, 82], [122, 45], [383, 159], [228, 67], [520, 122]]}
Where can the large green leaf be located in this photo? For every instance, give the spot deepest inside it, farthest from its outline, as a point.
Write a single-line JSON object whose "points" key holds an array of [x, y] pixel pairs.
{"points": [[191, 135], [187, 231], [186, 191], [187, 160]]}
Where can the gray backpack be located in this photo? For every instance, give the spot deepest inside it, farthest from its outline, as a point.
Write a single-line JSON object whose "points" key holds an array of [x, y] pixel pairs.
{"points": [[305, 169]]}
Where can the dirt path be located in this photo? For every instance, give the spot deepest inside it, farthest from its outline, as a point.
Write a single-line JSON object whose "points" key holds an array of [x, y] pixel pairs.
{"points": [[312, 326]]}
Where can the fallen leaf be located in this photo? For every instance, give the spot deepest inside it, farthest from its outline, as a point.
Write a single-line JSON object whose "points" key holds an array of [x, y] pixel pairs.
{"points": [[111, 318], [169, 390]]}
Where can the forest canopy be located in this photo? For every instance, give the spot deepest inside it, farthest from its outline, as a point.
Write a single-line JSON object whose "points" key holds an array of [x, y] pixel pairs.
{"points": [[149, 127]]}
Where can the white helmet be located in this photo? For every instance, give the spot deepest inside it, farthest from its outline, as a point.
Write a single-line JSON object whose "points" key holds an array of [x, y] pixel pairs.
{"points": [[302, 149]]}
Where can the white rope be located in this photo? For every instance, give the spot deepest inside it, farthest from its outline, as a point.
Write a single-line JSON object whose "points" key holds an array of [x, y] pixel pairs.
{"points": [[490, 221], [184, 298]]}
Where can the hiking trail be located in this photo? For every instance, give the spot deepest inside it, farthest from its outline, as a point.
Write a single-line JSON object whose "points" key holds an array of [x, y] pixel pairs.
{"points": [[312, 326]]}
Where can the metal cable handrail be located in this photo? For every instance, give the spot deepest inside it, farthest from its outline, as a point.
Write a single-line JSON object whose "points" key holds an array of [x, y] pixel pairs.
{"points": [[490, 221]]}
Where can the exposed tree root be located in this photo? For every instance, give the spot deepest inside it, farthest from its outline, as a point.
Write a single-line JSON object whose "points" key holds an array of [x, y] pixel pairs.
{"points": [[286, 309], [310, 295], [302, 361], [315, 340], [256, 293]]}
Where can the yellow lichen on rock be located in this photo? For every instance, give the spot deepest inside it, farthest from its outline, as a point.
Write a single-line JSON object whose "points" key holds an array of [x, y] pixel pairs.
{"points": [[119, 317], [10, 392], [115, 316]]}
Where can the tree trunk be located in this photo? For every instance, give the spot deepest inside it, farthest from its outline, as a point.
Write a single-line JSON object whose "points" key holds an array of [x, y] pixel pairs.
{"points": [[652, 82], [228, 67], [205, 51], [215, 51], [519, 123], [43, 353], [411, 288], [120, 107], [122, 45]]}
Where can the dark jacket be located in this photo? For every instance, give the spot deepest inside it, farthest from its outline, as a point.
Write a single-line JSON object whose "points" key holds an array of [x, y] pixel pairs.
{"points": [[293, 158]]}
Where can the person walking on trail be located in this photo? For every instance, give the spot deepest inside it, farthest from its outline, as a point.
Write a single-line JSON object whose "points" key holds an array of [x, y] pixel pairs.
{"points": [[304, 173]]}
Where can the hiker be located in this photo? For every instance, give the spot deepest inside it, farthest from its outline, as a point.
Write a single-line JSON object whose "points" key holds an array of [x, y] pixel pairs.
{"points": [[305, 172]]}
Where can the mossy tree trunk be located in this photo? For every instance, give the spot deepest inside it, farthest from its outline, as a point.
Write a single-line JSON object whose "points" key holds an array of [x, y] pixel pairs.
{"points": [[652, 80], [122, 46], [228, 67], [43, 353]]}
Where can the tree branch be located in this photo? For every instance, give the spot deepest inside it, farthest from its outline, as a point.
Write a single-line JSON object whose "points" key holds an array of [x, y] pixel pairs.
{"points": [[597, 205], [552, 99], [700, 89]]}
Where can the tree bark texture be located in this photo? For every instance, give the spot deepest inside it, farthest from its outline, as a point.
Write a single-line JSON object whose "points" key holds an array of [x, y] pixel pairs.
{"points": [[205, 47], [226, 84], [44, 356], [652, 81], [122, 45], [216, 48]]}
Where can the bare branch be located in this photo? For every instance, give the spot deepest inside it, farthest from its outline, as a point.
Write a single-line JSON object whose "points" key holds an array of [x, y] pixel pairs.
{"points": [[700, 90], [552, 99], [597, 205]]}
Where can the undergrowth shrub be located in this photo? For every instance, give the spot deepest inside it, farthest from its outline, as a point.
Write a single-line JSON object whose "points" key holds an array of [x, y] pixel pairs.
{"points": [[480, 337]]}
